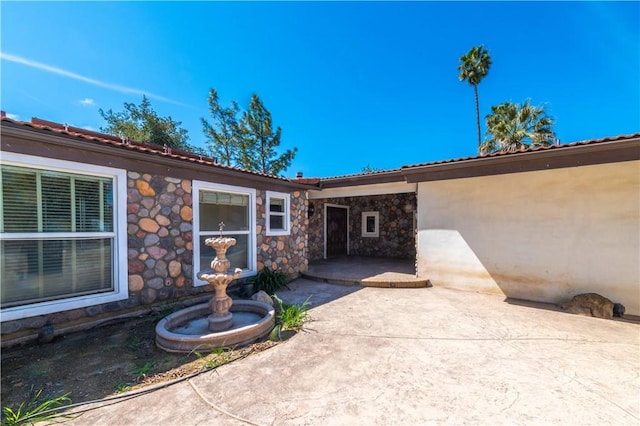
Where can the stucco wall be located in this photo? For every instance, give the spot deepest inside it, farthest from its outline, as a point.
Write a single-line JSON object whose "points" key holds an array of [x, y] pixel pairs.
{"points": [[542, 236]]}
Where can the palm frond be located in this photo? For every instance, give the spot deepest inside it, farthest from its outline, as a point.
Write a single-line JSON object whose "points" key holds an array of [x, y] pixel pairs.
{"points": [[512, 127]]}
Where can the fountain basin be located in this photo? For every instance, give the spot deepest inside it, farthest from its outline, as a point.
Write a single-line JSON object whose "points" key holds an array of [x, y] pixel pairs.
{"points": [[187, 329]]}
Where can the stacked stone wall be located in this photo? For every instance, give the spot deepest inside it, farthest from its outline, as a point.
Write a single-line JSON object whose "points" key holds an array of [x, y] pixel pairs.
{"points": [[315, 231], [396, 238], [160, 248], [159, 251], [160, 237], [396, 226], [285, 252]]}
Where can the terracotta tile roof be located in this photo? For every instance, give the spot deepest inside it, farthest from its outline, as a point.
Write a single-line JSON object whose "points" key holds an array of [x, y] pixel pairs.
{"points": [[383, 175], [536, 149], [306, 181], [371, 174], [148, 148]]}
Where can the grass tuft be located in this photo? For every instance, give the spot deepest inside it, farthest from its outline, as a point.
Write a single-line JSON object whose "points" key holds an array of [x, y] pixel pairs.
{"points": [[35, 410], [292, 317]]}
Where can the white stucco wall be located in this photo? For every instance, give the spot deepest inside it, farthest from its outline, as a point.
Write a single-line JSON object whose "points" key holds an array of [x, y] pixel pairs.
{"points": [[542, 236]]}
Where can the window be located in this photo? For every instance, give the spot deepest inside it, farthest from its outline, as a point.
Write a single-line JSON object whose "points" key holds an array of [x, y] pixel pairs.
{"points": [[233, 206], [277, 213], [62, 239], [370, 224]]}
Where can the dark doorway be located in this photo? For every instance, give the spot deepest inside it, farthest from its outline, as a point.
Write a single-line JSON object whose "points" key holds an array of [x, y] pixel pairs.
{"points": [[336, 231]]}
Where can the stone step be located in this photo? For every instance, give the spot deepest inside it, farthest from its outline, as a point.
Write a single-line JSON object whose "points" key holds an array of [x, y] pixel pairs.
{"points": [[384, 280]]}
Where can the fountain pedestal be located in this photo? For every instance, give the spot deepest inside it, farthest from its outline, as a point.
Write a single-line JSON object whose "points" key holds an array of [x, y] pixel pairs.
{"points": [[221, 318]]}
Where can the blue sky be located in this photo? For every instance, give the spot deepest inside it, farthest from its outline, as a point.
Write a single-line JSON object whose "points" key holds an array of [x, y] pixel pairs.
{"points": [[350, 83]]}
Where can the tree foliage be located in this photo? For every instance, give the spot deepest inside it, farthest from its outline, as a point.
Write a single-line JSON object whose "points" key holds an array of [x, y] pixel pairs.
{"points": [[473, 68], [141, 123], [511, 127], [250, 142], [370, 169], [259, 141], [223, 135]]}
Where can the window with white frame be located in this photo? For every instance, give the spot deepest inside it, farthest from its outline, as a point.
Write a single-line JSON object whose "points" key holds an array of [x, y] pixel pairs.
{"points": [[370, 224], [278, 213], [62, 240], [214, 204]]}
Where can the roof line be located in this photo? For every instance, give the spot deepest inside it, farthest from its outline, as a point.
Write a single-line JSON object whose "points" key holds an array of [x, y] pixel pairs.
{"points": [[64, 130]]}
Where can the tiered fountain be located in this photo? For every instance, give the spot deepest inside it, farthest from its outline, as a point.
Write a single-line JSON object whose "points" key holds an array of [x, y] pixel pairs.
{"points": [[220, 323]]}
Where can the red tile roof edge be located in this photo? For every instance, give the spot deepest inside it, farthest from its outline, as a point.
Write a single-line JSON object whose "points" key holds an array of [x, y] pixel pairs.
{"points": [[531, 149], [307, 181], [376, 173], [149, 148], [64, 129]]}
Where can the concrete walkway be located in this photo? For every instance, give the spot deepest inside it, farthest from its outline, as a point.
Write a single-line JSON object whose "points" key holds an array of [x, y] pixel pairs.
{"points": [[374, 356]]}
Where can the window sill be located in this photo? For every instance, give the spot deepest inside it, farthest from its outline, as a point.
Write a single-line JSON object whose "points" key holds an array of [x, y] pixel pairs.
{"points": [[276, 233], [44, 308]]}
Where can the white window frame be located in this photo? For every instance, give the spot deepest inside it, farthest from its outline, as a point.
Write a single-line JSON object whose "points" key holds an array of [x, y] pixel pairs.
{"points": [[198, 185], [376, 216], [286, 214], [119, 235]]}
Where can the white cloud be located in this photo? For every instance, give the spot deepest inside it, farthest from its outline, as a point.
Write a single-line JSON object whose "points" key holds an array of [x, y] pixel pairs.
{"points": [[13, 116], [59, 71], [87, 102], [89, 128]]}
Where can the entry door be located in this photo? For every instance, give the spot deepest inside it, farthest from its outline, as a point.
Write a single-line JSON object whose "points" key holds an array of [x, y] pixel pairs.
{"points": [[336, 231]]}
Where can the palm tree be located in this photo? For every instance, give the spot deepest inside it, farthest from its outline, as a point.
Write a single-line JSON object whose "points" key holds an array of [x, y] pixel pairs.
{"points": [[474, 66], [511, 127]]}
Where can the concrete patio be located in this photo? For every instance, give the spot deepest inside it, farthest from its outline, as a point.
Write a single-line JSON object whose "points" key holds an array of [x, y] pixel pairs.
{"points": [[412, 356], [367, 271]]}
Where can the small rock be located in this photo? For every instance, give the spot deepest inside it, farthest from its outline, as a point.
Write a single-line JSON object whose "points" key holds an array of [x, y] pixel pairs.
{"points": [[262, 296], [590, 304]]}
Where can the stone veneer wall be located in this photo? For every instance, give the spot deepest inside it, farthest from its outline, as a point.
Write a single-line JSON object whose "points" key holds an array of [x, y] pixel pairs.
{"points": [[160, 234], [396, 237], [284, 252], [160, 251], [315, 231], [160, 247]]}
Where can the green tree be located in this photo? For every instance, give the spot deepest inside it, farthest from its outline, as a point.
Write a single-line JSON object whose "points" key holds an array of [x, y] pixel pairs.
{"points": [[223, 135], [474, 66], [258, 142], [511, 127], [141, 123]]}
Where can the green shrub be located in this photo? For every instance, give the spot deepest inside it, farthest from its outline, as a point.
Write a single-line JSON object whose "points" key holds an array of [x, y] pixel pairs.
{"points": [[292, 317], [270, 281], [141, 372]]}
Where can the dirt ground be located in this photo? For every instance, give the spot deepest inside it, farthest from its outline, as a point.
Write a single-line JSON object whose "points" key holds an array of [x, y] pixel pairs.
{"points": [[101, 362]]}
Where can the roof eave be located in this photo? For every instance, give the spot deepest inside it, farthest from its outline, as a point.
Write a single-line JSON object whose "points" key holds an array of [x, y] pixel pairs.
{"points": [[71, 141], [570, 156], [364, 179]]}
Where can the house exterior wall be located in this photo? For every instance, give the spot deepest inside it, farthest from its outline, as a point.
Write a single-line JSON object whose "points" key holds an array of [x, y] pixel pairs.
{"points": [[160, 238], [542, 236], [396, 229], [160, 235], [285, 252]]}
